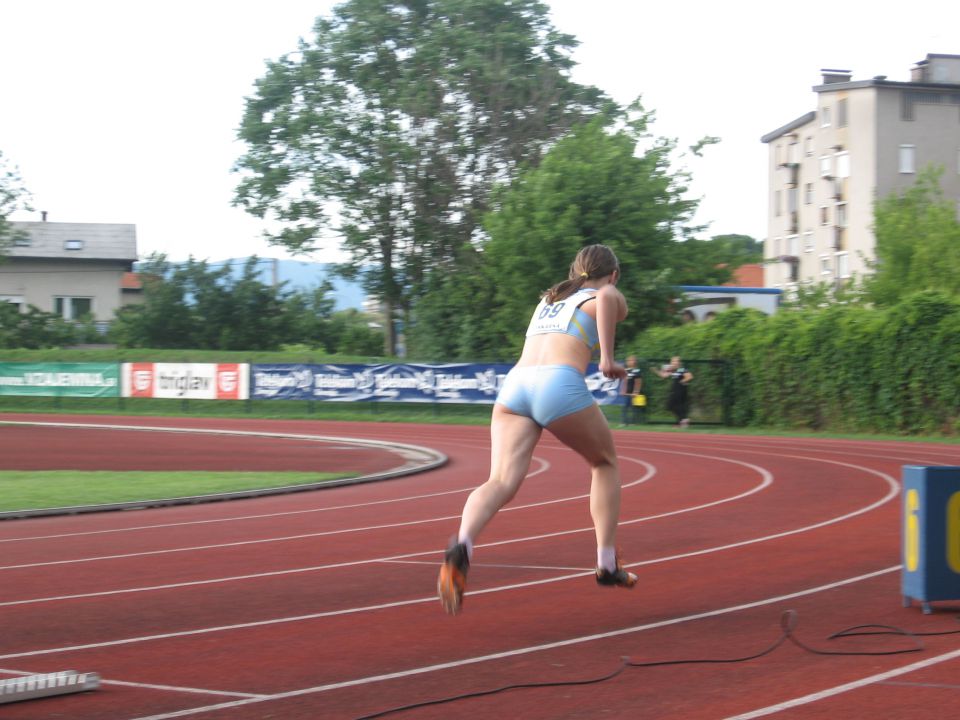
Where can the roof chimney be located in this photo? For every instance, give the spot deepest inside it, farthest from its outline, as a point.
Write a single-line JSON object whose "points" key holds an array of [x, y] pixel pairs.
{"points": [[831, 76], [43, 215]]}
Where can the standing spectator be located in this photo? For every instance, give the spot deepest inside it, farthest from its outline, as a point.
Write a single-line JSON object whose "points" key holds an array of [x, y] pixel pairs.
{"points": [[679, 400], [630, 391]]}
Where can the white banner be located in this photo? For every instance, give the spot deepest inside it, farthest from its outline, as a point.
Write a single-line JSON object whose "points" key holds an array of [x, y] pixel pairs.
{"points": [[197, 381]]}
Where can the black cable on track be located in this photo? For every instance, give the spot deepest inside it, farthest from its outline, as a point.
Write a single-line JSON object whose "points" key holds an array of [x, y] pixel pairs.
{"points": [[788, 624]]}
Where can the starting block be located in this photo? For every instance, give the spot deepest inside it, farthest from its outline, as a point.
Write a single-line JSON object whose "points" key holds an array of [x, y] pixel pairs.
{"points": [[30, 687]]}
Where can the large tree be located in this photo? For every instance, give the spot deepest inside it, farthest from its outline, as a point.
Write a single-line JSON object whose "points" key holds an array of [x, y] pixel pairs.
{"points": [[918, 241], [614, 184], [392, 125]]}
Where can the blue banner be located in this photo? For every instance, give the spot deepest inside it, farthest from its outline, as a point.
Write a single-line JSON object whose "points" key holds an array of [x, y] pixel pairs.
{"points": [[448, 383]]}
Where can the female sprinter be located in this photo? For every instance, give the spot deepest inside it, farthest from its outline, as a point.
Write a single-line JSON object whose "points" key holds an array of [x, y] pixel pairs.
{"points": [[547, 389]]}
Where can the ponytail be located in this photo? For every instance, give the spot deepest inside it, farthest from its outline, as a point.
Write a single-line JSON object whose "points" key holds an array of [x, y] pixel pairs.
{"points": [[593, 261]]}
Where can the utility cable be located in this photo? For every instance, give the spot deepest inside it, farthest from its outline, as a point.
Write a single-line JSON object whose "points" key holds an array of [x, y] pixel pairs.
{"points": [[788, 625]]}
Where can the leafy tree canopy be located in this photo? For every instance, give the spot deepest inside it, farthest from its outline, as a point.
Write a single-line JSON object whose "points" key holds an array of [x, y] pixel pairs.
{"points": [[602, 183], [391, 126], [918, 242], [192, 305]]}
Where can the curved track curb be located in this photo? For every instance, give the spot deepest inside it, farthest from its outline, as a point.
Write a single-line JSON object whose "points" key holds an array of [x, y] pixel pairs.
{"points": [[416, 459]]}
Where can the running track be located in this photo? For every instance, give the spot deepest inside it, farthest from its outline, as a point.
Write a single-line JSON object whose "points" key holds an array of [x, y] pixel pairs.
{"points": [[321, 604]]}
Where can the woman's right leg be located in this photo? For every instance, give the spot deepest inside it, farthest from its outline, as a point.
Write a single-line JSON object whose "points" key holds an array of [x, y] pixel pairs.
{"points": [[512, 440]]}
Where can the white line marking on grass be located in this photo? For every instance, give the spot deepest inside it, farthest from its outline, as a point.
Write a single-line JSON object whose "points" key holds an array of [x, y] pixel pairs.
{"points": [[522, 651], [831, 692]]}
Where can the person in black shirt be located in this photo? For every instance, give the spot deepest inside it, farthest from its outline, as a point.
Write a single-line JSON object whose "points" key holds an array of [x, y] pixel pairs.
{"points": [[630, 390], [679, 400]]}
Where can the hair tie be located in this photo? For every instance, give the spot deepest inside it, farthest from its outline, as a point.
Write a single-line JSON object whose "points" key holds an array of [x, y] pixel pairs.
{"points": [[584, 275]]}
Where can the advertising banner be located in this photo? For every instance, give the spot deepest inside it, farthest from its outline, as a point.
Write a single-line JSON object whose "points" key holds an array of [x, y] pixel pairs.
{"points": [[448, 383], [60, 379], [194, 381]]}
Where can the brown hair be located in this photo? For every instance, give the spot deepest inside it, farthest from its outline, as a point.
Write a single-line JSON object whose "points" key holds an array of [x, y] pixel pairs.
{"points": [[593, 261]]}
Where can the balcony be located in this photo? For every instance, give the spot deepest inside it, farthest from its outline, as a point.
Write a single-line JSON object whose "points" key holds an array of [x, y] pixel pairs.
{"points": [[793, 173], [839, 239]]}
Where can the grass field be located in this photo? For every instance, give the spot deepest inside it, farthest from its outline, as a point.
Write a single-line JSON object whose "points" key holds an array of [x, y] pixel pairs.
{"points": [[29, 490]]}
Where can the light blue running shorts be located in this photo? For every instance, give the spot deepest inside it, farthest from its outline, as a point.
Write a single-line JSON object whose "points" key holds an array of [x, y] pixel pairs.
{"points": [[545, 393]]}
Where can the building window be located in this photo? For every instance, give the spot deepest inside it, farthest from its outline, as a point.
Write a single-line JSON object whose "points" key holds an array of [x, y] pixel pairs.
{"points": [[776, 203], [842, 165], [791, 200], [808, 146], [841, 215], [793, 268], [907, 159], [808, 194], [826, 166], [842, 112], [73, 245], [843, 265], [825, 265], [808, 241], [72, 308], [777, 252], [793, 153], [792, 247], [824, 215], [21, 241], [825, 116], [15, 300]]}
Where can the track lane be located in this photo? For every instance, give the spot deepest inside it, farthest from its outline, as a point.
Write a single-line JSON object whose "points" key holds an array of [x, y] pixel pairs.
{"points": [[674, 587]]}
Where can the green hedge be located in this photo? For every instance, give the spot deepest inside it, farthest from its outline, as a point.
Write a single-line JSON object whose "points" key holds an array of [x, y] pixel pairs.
{"points": [[844, 368]]}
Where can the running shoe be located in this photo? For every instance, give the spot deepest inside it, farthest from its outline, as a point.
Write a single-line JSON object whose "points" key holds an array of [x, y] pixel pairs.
{"points": [[618, 577], [453, 577]]}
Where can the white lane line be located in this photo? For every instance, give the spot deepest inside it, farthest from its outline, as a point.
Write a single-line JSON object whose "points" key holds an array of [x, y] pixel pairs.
{"points": [[750, 447], [521, 651], [542, 467], [823, 694], [496, 565], [432, 599], [154, 686], [651, 471]]}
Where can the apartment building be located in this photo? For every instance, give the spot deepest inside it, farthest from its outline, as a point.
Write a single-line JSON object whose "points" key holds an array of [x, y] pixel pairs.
{"points": [[864, 140], [71, 269]]}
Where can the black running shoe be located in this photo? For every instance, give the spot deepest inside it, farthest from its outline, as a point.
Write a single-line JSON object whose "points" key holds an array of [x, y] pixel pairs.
{"points": [[452, 580], [616, 578]]}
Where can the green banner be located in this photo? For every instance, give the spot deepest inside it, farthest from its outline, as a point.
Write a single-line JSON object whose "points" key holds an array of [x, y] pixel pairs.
{"points": [[60, 379]]}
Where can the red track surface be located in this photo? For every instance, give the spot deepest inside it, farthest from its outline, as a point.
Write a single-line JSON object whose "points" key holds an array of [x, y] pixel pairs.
{"points": [[321, 604]]}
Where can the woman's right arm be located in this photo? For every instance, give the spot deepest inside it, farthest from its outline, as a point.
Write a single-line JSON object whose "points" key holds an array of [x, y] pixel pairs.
{"points": [[611, 309]]}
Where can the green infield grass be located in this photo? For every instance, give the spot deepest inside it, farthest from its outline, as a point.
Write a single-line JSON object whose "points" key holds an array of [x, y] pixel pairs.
{"points": [[31, 490]]}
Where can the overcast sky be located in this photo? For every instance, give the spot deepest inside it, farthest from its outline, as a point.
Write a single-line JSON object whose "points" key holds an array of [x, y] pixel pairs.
{"points": [[126, 110]]}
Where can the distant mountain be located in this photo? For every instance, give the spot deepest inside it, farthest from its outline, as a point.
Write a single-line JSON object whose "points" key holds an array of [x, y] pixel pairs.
{"points": [[299, 275]]}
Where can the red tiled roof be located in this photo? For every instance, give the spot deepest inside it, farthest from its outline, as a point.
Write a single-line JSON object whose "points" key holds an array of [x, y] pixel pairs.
{"points": [[747, 276], [131, 281]]}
